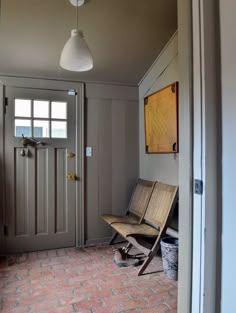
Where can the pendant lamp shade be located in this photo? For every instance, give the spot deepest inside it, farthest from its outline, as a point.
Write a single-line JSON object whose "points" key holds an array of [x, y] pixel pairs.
{"points": [[76, 55]]}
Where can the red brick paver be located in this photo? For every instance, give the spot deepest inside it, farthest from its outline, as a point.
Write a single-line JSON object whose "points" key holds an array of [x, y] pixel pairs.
{"points": [[82, 280]]}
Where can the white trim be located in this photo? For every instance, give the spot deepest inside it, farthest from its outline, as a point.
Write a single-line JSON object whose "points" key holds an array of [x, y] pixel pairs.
{"points": [[37, 83], [197, 275], [80, 230], [92, 242], [185, 155], [172, 39], [206, 156], [61, 79], [2, 170]]}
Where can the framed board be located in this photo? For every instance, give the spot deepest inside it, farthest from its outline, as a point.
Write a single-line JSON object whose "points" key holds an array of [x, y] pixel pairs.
{"points": [[161, 120]]}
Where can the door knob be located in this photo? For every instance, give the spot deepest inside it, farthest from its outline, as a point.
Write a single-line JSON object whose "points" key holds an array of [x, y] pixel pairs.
{"points": [[72, 176], [70, 155]]}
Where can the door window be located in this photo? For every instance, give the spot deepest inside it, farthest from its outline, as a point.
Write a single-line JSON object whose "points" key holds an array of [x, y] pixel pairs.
{"points": [[41, 108], [40, 118]]}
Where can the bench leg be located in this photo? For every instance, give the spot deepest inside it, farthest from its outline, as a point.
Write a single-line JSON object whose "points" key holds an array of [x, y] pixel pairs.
{"points": [[113, 238], [145, 264]]}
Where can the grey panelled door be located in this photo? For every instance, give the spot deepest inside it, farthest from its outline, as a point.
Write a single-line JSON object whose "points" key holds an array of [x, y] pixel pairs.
{"points": [[40, 198]]}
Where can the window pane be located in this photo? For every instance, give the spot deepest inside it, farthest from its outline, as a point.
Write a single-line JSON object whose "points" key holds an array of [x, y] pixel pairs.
{"points": [[22, 108], [41, 109], [23, 127], [59, 129], [41, 128], [58, 110]]}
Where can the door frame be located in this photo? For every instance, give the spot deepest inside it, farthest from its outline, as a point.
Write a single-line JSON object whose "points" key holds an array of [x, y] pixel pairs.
{"points": [[50, 84], [185, 155], [200, 157], [207, 152]]}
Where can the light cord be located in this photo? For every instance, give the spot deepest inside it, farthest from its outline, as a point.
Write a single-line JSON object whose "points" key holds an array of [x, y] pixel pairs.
{"points": [[0, 11], [77, 16]]}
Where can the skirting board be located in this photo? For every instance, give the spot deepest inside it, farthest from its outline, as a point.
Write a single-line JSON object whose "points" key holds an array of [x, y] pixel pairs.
{"points": [[96, 241]]}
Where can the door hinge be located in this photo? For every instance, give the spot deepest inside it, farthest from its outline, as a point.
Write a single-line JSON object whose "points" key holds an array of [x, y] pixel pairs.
{"points": [[72, 92], [5, 104], [198, 186], [5, 230]]}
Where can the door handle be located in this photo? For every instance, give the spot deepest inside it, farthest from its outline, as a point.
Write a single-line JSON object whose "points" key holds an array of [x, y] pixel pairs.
{"points": [[70, 155], [72, 177]]}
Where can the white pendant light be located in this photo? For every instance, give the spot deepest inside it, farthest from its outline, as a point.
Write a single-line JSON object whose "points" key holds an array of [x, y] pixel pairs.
{"points": [[76, 55]]}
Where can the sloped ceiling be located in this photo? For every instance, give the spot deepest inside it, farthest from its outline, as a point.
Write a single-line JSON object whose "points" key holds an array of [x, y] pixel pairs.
{"points": [[125, 37]]}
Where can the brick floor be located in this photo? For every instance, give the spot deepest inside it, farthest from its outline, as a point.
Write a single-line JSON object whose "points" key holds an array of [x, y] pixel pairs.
{"points": [[82, 280]]}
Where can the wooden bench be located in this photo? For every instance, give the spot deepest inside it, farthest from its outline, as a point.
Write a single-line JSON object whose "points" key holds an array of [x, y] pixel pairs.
{"points": [[146, 235], [136, 207]]}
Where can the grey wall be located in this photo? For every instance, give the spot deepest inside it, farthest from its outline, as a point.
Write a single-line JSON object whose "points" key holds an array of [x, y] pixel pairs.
{"points": [[112, 132], [228, 67], [162, 167]]}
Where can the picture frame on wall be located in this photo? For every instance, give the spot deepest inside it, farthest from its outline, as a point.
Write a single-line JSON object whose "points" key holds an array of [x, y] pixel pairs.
{"points": [[161, 120]]}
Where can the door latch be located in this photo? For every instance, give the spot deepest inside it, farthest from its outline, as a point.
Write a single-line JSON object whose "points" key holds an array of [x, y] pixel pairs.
{"points": [[198, 186], [72, 92]]}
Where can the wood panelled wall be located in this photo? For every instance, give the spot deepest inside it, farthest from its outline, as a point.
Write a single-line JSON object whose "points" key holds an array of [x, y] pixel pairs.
{"points": [[162, 167], [112, 131]]}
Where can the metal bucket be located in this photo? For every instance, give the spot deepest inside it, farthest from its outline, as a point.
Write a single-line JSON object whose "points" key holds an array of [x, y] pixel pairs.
{"points": [[169, 251]]}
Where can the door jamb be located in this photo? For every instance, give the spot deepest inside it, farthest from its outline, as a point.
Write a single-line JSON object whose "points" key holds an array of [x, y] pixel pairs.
{"points": [[185, 155], [205, 31], [2, 171], [80, 214], [207, 23], [52, 85]]}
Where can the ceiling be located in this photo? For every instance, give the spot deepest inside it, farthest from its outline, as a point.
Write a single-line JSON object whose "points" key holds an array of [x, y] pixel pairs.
{"points": [[125, 37]]}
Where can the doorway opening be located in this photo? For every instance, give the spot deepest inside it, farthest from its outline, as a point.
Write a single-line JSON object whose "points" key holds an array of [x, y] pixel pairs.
{"points": [[42, 154]]}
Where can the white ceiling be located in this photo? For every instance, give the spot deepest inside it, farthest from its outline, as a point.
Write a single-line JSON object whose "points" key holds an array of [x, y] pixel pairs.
{"points": [[125, 37]]}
